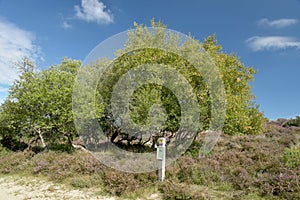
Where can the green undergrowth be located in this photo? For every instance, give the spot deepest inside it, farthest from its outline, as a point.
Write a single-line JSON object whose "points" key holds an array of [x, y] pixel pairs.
{"points": [[265, 166]]}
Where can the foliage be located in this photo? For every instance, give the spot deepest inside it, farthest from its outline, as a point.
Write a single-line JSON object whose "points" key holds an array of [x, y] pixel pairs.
{"points": [[193, 149], [175, 190], [294, 122], [61, 166], [39, 106], [242, 114], [13, 162], [121, 183], [284, 184], [291, 156]]}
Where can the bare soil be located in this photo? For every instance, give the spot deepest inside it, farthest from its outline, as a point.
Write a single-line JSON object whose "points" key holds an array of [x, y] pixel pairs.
{"points": [[20, 188]]}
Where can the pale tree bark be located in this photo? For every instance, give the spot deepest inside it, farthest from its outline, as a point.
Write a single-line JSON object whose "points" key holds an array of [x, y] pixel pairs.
{"points": [[41, 137]]}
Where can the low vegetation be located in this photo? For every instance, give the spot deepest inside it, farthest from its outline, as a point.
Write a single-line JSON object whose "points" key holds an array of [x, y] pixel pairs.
{"points": [[264, 166]]}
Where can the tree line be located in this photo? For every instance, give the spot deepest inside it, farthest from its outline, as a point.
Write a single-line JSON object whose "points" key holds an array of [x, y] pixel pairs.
{"points": [[38, 110]]}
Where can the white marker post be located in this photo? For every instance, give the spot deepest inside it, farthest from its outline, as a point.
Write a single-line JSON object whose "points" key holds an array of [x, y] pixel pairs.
{"points": [[161, 157]]}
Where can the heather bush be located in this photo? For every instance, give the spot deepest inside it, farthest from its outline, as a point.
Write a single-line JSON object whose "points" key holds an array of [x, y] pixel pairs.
{"points": [[284, 183], [291, 156], [175, 190], [192, 171], [240, 167], [121, 183], [118, 183], [81, 182], [14, 162], [193, 149], [59, 166]]}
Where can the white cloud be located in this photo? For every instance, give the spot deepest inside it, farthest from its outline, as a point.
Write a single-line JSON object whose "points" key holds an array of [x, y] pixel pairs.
{"points": [[15, 44], [93, 11], [66, 25], [258, 43], [279, 23]]}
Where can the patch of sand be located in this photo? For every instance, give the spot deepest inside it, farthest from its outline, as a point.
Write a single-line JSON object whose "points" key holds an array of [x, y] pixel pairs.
{"points": [[14, 188]]}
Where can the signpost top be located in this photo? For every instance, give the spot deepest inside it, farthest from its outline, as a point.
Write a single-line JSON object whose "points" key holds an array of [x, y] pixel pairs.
{"points": [[161, 142]]}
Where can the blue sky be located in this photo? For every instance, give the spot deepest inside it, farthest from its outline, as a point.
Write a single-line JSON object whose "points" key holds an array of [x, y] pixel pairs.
{"points": [[265, 34]]}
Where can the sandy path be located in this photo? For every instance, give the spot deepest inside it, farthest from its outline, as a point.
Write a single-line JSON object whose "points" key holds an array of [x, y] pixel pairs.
{"points": [[13, 188], [5, 195]]}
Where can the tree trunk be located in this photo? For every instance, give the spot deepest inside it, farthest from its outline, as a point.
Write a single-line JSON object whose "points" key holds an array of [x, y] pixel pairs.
{"points": [[42, 139]]}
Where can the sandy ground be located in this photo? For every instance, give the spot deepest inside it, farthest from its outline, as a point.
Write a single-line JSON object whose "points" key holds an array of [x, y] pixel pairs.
{"points": [[21, 188], [13, 188]]}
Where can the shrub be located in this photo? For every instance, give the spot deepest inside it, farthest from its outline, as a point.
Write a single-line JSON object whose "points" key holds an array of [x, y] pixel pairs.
{"points": [[13, 162], [59, 166], [291, 156], [41, 166], [294, 122], [118, 183], [197, 173], [174, 190], [285, 183], [241, 179], [81, 182], [193, 149], [121, 183]]}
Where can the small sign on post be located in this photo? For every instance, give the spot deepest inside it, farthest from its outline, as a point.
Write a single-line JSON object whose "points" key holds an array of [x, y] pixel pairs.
{"points": [[161, 157]]}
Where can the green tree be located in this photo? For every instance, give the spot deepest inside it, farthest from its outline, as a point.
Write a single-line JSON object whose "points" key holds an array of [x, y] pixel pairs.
{"points": [[294, 121], [242, 114], [39, 106]]}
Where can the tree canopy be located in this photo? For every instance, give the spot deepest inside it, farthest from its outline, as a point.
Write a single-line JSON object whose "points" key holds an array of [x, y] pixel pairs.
{"points": [[39, 105]]}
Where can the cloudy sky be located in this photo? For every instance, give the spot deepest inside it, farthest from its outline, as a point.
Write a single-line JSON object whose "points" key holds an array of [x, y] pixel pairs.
{"points": [[263, 33]]}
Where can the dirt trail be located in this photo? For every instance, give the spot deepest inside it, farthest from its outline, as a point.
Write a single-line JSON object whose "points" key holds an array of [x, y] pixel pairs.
{"points": [[13, 188]]}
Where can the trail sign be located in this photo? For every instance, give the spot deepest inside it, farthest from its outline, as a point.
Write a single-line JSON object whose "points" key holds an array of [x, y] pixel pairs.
{"points": [[161, 157]]}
